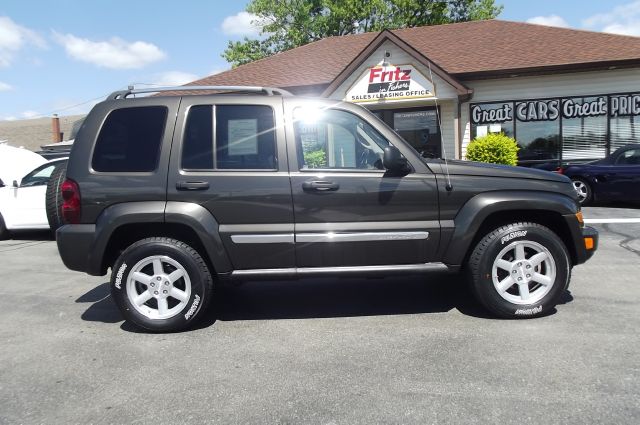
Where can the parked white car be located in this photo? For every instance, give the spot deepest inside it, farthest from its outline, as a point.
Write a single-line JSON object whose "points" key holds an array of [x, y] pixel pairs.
{"points": [[16, 162], [23, 201]]}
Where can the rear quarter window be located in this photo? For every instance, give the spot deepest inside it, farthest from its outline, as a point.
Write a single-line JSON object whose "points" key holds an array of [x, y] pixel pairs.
{"points": [[130, 140]]}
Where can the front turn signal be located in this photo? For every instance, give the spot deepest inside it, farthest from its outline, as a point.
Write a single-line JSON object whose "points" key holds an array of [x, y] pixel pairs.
{"points": [[588, 243]]}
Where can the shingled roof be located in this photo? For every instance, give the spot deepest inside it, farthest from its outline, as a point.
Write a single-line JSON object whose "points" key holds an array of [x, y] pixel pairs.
{"points": [[465, 50]]}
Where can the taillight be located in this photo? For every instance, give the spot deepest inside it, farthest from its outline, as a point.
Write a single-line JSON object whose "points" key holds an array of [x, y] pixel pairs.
{"points": [[560, 170], [71, 202]]}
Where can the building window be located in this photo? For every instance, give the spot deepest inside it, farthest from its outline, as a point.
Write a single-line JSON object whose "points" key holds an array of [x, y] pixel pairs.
{"points": [[492, 118], [550, 131], [584, 128], [417, 126], [538, 130], [624, 124]]}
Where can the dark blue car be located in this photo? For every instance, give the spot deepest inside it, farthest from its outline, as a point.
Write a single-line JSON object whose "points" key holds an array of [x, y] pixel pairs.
{"points": [[616, 178]]}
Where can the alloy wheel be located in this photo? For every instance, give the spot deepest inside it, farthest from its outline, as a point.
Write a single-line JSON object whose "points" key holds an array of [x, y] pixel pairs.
{"points": [[158, 287], [524, 272]]}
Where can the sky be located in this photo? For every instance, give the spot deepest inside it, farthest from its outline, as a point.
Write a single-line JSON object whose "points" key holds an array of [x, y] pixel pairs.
{"points": [[64, 56]]}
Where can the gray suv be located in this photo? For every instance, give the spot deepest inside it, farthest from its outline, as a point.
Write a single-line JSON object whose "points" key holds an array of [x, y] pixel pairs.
{"points": [[177, 192]]}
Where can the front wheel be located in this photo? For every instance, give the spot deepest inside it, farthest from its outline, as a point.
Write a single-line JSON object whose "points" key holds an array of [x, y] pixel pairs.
{"points": [[161, 284], [520, 270]]}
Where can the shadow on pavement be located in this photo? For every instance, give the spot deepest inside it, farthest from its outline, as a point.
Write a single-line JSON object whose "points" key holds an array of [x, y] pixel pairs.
{"points": [[103, 308], [318, 298], [17, 236]]}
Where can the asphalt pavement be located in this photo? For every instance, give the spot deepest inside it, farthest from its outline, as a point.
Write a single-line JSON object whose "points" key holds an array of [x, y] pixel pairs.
{"points": [[324, 351]]}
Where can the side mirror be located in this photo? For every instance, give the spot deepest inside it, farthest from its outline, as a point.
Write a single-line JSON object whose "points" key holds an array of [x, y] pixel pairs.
{"points": [[394, 161], [15, 183]]}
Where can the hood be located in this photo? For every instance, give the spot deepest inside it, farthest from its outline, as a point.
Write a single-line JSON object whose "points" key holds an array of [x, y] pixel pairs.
{"points": [[15, 163], [470, 168]]}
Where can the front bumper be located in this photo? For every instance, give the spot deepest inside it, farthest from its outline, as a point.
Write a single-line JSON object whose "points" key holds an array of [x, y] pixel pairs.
{"points": [[584, 238], [590, 241]]}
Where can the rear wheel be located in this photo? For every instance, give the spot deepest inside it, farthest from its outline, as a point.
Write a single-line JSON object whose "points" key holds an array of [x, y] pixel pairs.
{"points": [[54, 197], [520, 270], [583, 189], [161, 284]]}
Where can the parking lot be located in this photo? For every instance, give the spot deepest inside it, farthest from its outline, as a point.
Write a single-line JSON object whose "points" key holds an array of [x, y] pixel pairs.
{"points": [[395, 350]]}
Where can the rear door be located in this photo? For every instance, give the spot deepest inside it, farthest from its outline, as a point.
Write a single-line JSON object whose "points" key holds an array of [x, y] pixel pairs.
{"points": [[229, 155], [349, 211]]}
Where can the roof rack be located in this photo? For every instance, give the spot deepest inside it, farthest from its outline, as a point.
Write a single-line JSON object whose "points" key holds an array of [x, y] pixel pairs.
{"points": [[269, 91]]}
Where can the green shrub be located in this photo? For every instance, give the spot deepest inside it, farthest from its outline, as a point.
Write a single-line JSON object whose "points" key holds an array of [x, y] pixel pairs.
{"points": [[315, 159], [493, 148]]}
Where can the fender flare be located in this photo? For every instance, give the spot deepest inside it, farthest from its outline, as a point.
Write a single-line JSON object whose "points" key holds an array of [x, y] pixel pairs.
{"points": [[196, 217], [206, 227], [476, 210]]}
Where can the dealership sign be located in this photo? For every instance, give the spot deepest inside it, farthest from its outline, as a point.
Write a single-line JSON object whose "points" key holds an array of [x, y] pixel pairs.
{"points": [[389, 84]]}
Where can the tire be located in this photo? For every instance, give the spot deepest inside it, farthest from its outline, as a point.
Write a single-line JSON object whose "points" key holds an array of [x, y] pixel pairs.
{"points": [[155, 261], [520, 270], [54, 197], [584, 191], [4, 233]]}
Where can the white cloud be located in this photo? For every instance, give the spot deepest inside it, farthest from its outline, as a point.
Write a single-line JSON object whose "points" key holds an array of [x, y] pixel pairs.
{"points": [[5, 86], [623, 19], [114, 53], [242, 24], [173, 78], [550, 21], [14, 37], [29, 114]]}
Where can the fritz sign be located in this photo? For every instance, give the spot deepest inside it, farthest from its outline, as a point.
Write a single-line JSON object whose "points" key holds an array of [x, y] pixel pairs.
{"points": [[389, 84]]}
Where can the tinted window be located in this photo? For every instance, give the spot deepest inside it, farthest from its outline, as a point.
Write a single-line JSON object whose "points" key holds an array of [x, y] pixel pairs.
{"points": [[333, 139], [244, 138], [197, 149], [130, 140]]}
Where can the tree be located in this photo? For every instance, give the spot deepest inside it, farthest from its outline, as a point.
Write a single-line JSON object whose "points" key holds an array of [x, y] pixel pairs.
{"points": [[286, 24]]}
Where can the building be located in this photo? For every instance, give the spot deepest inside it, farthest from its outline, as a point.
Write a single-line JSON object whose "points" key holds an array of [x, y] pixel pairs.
{"points": [[564, 94], [32, 134]]}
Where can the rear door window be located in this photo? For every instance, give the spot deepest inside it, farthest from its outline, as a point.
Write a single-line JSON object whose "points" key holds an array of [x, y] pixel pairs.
{"points": [[244, 138], [130, 140]]}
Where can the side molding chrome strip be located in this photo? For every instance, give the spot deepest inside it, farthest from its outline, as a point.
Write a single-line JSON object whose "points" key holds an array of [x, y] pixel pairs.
{"points": [[361, 236], [273, 238], [265, 274]]}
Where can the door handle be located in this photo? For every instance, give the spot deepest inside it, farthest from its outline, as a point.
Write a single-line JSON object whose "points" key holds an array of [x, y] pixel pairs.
{"points": [[319, 186], [192, 185]]}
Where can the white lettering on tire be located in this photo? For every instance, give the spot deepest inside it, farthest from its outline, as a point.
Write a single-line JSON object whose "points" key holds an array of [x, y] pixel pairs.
{"points": [[194, 307], [513, 235], [119, 275], [528, 311]]}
